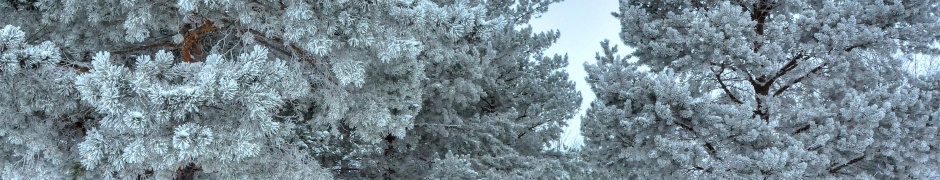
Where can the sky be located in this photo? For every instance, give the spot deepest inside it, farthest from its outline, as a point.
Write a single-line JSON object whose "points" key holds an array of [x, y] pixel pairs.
{"points": [[583, 25]]}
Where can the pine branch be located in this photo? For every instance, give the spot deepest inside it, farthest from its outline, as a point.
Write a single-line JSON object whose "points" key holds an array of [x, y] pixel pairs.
{"points": [[264, 42], [801, 129], [791, 64], [798, 80], [725, 86], [814, 71], [529, 129], [836, 169], [344, 169], [442, 125], [708, 145], [294, 50], [145, 47]]}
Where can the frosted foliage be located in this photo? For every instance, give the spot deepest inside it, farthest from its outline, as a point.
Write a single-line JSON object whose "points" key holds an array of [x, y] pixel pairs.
{"points": [[221, 111], [36, 107], [482, 91], [216, 88], [349, 72], [453, 166], [766, 89], [364, 44]]}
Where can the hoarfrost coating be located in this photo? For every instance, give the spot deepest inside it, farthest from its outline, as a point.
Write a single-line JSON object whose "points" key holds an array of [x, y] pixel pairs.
{"points": [[411, 89], [307, 89], [807, 90]]}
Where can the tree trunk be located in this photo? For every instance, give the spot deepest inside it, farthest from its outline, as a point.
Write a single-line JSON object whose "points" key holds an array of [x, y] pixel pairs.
{"points": [[759, 13]]}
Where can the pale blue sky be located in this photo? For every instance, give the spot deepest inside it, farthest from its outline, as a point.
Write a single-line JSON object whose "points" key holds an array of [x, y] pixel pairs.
{"points": [[583, 25]]}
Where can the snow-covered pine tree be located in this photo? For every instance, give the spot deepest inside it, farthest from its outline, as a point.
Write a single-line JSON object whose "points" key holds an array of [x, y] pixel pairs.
{"points": [[490, 99], [218, 116], [767, 89], [216, 89], [157, 119]]}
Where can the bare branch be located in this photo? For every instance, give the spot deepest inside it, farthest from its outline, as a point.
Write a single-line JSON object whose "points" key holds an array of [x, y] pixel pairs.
{"points": [[797, 80], [725, 86], [442, 125], [801, 129], [708, 145], [836, 169], [791, 64], [530, 129], [144, 48]]}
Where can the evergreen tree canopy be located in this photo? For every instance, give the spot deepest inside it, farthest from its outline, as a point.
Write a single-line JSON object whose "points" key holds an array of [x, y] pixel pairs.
{"points": [[767, 89], [278, 89], [462, 89]]}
